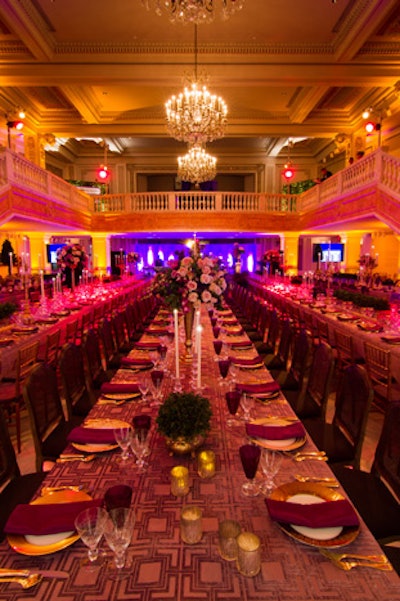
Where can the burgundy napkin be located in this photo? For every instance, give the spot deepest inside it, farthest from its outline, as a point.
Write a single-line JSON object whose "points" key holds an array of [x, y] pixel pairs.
{"points": [[241, 344], [321, 515], [292, 430], [259, 388], [147, 346], [134, 362], [119, 387], [51, 518], [241, 361], [83, 435], [230, 322], [157, 331]]}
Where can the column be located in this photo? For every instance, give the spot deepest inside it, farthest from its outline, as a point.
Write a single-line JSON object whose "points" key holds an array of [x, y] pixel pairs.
{"points": [[290, 246]]}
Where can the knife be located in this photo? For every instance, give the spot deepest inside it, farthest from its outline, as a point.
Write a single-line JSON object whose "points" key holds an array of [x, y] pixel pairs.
{"points": [[9, 573]]}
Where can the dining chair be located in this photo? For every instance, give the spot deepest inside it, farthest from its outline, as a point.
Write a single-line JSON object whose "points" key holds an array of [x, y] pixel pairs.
{"points": [[109, 348], [71, 331], [343, 438], [15, 488], [344, 348], [272, 337], [322, 331], [378, 364], [120, 333], [52, 347], [77, 387], [294, 379], [11, 398], [93, 361], [313, 403], [48, 425], [277, 361], [376, 494]]}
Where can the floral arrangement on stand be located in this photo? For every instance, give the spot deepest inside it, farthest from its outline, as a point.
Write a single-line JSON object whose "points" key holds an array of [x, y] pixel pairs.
{"points": [[367, 262], [133, 257], [188, 282], [238, 251], [72, 259]]}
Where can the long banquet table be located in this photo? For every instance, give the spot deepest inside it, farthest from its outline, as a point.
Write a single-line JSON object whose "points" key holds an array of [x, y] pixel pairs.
{"points": [[160, 566]]}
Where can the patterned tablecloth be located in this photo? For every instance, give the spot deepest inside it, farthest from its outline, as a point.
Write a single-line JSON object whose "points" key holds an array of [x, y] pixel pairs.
{"points": [[160, 567]]}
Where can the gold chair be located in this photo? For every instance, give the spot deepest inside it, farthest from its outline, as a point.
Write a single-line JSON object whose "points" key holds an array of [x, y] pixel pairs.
{"points": [[52, 347], [11, 390], [344, 349], [378, 364]]}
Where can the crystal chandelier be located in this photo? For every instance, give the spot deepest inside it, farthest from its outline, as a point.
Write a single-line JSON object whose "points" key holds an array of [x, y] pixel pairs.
{"points": [[196, 116], [194, 11], [197, 166]]}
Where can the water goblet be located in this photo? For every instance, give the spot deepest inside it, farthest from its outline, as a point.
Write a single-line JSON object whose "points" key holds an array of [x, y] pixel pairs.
{"points": [[232, 400], [157, 376], [223, 365], [270, 462], [216, 331], [217, 346], [90, 525], [123, 437], [250, 457], [246, 402], [118, 533], [144, 387], [140, 448], [141, 426]]}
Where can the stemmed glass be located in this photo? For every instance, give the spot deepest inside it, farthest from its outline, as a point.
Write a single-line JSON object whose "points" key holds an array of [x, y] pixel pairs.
{"points": [[140, 448], [250, 457], [223, 365], [90, 525], [157, 376], [123, 437], [118, 533], [246, 402], [232, 400], [144, 387], [270, 462]]}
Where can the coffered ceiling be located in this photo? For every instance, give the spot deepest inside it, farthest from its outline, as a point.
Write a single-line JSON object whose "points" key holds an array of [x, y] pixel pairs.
{"points": [[286, 68]]}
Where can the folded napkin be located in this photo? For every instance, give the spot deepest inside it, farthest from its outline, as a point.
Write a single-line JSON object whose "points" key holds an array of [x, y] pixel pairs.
{"points": [[157, 331], [391, 339], [241, 344], [258, 388], [147, 346], [230, 322], [83, 435], [321, 515], [135, 362], [119, 387], [242, 361], [278, 432], [51, 518]]}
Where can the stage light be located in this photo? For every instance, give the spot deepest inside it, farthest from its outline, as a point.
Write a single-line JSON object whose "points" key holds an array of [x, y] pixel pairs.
{"points": [[18, 124], [369, 127], [288, 172], [103, 173]]}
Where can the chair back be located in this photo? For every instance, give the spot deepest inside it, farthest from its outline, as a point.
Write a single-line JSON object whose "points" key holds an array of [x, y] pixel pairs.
{"points": [[92, 357], [301, 358], [44, 406], [320, 379], [9, 468], [118, 323], [71, 331], [353, 401], [273, 330], [322, 331], [26, 359], [386, 463], [344, 349], [77, 388], [378, 364], [285, 342], [52, 347], [108, 342]]}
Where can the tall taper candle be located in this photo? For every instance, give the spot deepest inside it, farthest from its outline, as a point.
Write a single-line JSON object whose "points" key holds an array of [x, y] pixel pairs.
{"points": [[199, 329], [11, 261], [176, 331], [42, 284]]}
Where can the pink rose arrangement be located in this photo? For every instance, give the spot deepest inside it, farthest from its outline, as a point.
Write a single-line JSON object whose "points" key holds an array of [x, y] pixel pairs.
{"points": [[72, 256]]}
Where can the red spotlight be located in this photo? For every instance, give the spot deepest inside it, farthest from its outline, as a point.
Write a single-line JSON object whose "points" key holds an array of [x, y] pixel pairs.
{"points": [[103, 173], [288, 172], [369, 127], [15, 124]]}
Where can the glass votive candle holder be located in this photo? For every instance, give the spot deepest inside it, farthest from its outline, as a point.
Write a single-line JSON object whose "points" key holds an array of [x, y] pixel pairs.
{"points": [[179, 481], [249, 554], [206, 464], [228, 531], [191, 524]]}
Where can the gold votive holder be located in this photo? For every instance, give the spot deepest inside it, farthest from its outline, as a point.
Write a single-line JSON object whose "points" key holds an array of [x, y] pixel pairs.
{"points": [[179, 481], [191, 524], [249, 554], [228, 531], [206, 464]]}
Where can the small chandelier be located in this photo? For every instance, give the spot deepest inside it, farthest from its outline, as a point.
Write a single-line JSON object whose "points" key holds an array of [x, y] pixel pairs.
{"points": [[197, 166], [194, 11], [196, 116]]}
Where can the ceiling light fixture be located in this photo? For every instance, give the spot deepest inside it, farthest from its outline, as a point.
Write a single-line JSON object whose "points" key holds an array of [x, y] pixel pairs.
{"points": [[194, 11], [196, 116], [197, 166]]}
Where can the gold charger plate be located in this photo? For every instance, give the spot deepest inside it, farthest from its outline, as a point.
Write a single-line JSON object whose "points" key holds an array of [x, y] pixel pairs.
{"points": [[104, 424], [345, 317], [20, 544], [267, 396], [120, 396], [291, 489], [250, 367]]}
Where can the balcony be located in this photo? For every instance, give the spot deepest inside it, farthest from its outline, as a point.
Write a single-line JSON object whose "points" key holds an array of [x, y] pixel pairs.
{"points": [[369, 189]]}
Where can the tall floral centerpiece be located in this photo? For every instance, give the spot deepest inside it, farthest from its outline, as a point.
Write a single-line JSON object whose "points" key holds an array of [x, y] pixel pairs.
{"points": [[72, 260], [238, 251], [188, 282]]}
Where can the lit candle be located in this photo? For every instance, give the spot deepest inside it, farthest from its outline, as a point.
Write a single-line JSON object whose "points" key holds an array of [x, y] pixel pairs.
{"points": [[176, 332], [179, 481], [206, 464], [199, 329], [191, 524], [42, 284], [11, 261], [54, 287]]}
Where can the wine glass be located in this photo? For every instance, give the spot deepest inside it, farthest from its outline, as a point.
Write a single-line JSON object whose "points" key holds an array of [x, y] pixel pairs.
{"points": [[223, 365], [232, 400], [118, 533], [144, 387], [157, 376], [250, 457], [246, 402], [141, 425], [90, 525], [140, 448], [123, 437], [270, 462]]}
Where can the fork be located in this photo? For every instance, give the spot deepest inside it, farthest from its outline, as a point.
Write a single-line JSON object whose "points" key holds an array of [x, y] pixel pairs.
{"points": [[27, 582], [84, 458], [347, 561], [331, 482]]}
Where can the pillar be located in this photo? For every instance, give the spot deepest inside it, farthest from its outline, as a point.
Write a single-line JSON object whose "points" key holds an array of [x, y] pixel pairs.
{"points": [[100, 253], [290, 246]]}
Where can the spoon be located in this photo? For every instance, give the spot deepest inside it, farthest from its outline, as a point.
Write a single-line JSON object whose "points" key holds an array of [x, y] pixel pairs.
{"points": [[331, 482]]}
